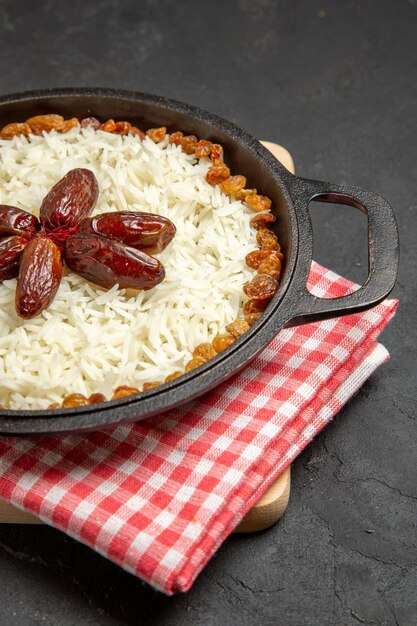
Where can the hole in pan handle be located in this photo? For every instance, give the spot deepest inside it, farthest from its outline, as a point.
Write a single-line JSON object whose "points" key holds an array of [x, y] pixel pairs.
{"points": [[383, 251]]}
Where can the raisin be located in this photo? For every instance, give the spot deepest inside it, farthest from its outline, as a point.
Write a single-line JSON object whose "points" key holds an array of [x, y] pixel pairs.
{"points": [[68, 124], [204, 350], [217, 174], [203, 149], [108, 127], [255, 258], [271, 265], [195, 362], [244, 193], [122, 128], [262, 221], [221, 342], [265, 236], [233, 184], [40, 123], [188, 144], [157, 134], [254, 306], [74, 399], [147, 386], [176, 138], [123, 392], [216, 153], [90, 122], [12, 130], [173, 376], [258, 203], [96, 398], [251, 318], [237, 328], [261, 287], [137, 132], [54, 405]]}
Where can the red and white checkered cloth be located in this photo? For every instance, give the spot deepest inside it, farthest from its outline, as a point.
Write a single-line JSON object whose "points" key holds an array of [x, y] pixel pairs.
{"points": [[159, 497]]}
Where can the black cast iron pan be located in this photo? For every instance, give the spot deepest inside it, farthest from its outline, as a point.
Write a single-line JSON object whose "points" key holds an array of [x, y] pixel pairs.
{"points": [[292, 305]]}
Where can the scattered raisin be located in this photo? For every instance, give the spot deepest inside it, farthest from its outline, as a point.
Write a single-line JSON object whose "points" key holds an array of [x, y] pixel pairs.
{"points": [[173, 376], [176, 138], [262, 221], [244, 193], [233, 184], [216, 152], [255, 258], [251, 318], [108, 127], [157, 134], [90, 121], [74, 399], [271, 265], [203, 148], [254, 306], [264, 235], [204, 350], [217, 174], [11, 130], [147, 386], [258, 203], [261, 287], [237, 328], [123, 392], [188, 144], [96, 398], [68, 124], [122, 128], [137, 132], [221, 342], [195, 362], [48, 122]]}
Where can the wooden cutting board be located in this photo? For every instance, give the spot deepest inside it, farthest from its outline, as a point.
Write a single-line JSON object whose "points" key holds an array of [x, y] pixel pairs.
{"points": [[269, 508]]}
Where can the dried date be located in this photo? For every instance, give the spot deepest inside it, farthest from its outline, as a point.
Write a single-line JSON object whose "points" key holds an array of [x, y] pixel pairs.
{"points": [[40, 273], [11, 249], [14, 221], [68, 202], [146, 231], [108, 263]]}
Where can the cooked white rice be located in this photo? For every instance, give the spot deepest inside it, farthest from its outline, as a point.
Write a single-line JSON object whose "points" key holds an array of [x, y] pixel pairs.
{"points": [[91, 340]]}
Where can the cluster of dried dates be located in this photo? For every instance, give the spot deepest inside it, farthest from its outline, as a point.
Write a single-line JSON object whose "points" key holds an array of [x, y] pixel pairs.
{"points": [[109, 249]]}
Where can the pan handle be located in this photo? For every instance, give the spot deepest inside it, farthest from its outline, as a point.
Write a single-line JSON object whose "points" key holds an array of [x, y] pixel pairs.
{"points": [[383, 251]]}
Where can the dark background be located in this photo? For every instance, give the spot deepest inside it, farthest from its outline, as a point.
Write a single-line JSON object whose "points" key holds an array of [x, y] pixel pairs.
{"points": [[335, 82]]}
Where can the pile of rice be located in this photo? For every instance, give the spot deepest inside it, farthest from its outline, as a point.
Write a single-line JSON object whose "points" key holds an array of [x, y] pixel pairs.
{"points": [[91, 340]]}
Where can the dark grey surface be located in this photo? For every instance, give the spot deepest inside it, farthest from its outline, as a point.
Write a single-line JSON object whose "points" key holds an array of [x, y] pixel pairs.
{"points": [[335, 82]]}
